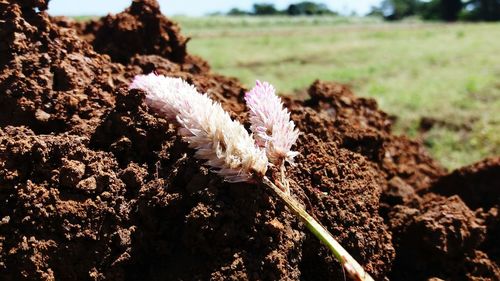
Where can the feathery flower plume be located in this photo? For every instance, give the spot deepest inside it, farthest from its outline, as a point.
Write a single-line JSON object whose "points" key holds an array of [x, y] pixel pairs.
{"points": [[228, 147], [205, 126], [271, 124], [163, 94]]}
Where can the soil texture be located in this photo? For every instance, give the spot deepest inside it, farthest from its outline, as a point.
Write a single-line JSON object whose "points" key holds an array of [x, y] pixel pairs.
{"points": [[93, 186]]}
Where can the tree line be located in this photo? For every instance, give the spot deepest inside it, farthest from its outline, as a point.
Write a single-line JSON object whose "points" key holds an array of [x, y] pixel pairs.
{"points": [[445, 10], [305, 8]]}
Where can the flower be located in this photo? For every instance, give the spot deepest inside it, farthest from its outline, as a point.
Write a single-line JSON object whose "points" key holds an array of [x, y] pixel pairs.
{"points": [[271, 124], [163, 94], [205, 126], [228, 147]]}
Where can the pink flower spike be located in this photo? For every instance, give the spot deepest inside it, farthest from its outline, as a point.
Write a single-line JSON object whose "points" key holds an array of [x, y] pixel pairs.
{"points": [[271, 124], [205, 126]]}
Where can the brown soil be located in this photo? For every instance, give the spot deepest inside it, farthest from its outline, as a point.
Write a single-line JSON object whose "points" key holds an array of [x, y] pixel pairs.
{"points": [[94, 187]]}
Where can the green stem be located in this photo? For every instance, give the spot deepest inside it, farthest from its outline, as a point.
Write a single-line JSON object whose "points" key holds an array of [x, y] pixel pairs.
{"points": [[351, 266]]}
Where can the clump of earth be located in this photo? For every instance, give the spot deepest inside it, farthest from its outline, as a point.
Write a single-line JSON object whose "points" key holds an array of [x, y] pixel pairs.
{"points": [[93, 186]]}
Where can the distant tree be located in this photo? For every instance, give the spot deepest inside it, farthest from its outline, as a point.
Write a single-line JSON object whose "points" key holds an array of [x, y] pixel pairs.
{"points": [[236, 12], [308, 8], [430, 10], [482, 10], [450, 9], [293, 10], [264, 9], [398, 9], [447, 10], [376, 11]]}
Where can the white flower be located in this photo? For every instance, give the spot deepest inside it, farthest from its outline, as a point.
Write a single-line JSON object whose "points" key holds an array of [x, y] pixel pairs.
{"points": [[205, 126], [164, 95], [271, 123]]}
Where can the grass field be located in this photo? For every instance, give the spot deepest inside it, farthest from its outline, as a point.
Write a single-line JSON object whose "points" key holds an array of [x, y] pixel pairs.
{"points": [[447, 72]]}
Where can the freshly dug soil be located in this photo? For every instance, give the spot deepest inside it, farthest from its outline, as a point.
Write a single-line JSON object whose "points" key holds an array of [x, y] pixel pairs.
{"points": [[95, 187]]}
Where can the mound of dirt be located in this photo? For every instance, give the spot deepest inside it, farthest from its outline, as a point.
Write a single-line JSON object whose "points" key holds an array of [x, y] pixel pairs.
{"points": [[95, 187]]}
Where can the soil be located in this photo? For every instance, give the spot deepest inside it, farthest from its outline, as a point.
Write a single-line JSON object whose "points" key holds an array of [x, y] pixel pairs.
{"points": [[95, 187]]}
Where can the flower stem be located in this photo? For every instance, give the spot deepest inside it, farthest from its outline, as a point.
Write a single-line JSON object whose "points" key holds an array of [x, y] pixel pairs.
{"points": [[351, 266], [283, 180]]}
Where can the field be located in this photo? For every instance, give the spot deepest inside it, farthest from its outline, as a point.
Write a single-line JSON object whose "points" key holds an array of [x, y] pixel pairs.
{"points": [[447, 74]]}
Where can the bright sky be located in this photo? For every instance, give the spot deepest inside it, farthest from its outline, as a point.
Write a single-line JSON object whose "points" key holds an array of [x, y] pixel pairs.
{"points": [[194, 7]]}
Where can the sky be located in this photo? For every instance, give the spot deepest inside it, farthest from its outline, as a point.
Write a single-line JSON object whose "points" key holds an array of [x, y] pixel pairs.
{"points": [[194, 7]]}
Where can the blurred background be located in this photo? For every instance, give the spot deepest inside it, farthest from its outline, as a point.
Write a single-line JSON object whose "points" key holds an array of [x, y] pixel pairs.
{"points": [[434, 65]]}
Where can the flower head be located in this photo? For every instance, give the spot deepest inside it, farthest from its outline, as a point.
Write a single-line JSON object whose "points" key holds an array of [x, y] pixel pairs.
{"points": [[271, 124], [164, 95], [205, 126]]}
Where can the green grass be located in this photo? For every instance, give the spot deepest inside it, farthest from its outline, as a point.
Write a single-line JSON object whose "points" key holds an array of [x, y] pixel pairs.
{"points": [[449, 72]]}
